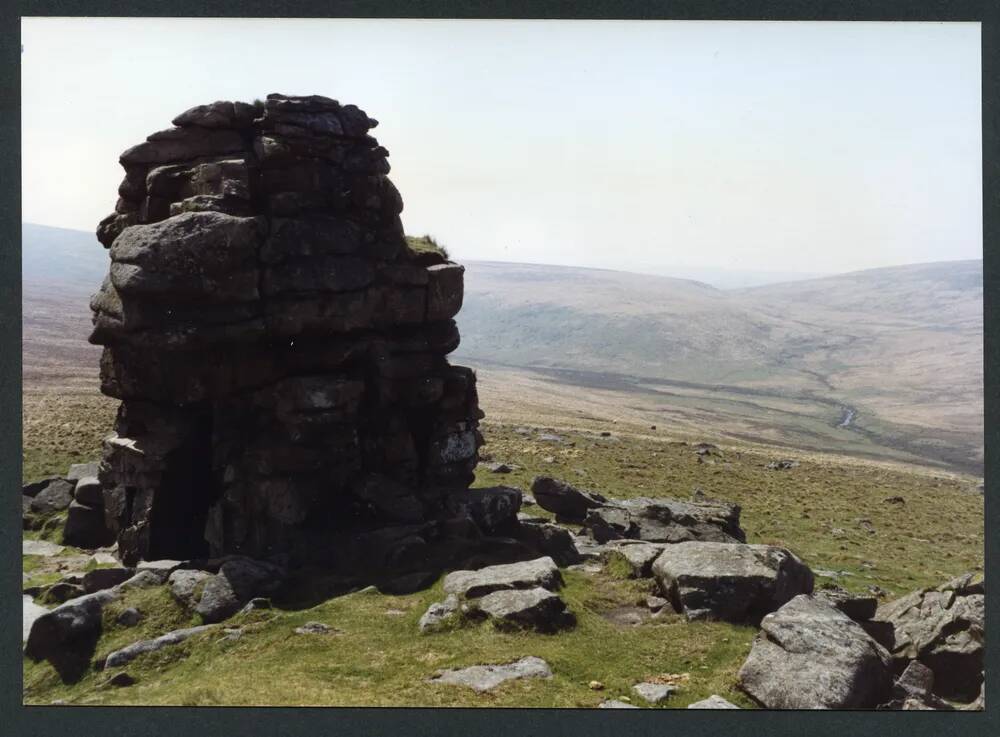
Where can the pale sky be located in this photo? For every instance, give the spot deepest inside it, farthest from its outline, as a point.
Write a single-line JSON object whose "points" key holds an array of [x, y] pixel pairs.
{"points": [[795, 147]]}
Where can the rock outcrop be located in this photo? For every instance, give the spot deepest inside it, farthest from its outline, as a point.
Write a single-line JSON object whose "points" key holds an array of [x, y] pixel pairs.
{"points": [[942, 628], [277, 345]]}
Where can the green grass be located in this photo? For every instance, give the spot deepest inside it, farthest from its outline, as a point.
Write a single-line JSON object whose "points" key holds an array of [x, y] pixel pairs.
{"points": [[425, 244], [378, 658], [62, 428]]}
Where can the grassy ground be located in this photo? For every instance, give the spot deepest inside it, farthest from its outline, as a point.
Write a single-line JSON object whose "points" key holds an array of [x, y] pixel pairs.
{"points": [[61, 428], [831, 512]]}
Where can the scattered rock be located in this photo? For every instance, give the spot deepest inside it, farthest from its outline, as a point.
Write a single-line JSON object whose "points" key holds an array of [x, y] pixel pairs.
{"points": [[482, 678], [810, 655], [315, 628], [105, 578], [654, 693], [566, 501], [439, 613], [55, 497], [655, 603], [120, 680], [536, 608], [129, 617], [639, 555], [728, 581], [42, 548], [547, 437], [713, 702], [541, 572], [141, 580], [595, 686], [61, 592], [86, 527], [782, 465], [943, 628], [101, 557], [499, 468], [894, 500], [258, 602], [548, 539], [615, 704], [131, 652], [527, 500], [161, 568]]}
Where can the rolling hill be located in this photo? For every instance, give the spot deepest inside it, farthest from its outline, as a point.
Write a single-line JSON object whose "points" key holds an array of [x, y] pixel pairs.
{"points": [[884, 363]]}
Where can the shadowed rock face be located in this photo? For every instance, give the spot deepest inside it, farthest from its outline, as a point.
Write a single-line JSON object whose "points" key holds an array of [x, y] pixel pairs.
{"points": [[278, 349]]}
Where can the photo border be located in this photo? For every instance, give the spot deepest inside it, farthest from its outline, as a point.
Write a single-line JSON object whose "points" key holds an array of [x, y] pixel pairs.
{"points": [[17, 719]]}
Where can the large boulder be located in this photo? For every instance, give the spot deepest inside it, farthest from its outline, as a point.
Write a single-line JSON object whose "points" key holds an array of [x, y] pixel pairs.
{"points": [[61, 628], [810, 655], [565, 501], [729, 581], [548, 539], [943, 628], [541, 572], [674, 521]]}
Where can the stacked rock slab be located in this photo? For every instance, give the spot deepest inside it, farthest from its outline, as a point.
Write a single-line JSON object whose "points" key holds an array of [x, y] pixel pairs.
{"points": [[278, 349]]}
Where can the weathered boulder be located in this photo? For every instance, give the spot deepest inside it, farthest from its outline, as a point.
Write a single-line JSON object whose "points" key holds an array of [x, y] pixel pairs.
{"points": [[105, 578], [79, 471], [673, 521], [536, 608], [914, 689], [66, 625], [610, 523], [129, 653], [541, 572], [943, 628], [639, 555], [439, 613], [550, 540], [185, 585], [237, 582], [566, 501], [85, 527], [729, 581], [89, 491], [810, 655], [653, 693], [482, 678], [55, 497], [33, 488]]}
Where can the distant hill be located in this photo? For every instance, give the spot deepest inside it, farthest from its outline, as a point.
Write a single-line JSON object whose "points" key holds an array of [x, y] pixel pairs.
{"points": [[899, 348]]}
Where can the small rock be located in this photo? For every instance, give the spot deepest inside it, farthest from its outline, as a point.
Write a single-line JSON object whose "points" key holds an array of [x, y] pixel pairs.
{"points": [[89, 491], [654, 693], [615, 704], [129, 617], [141, 580], [162, 568], [185, 585], [595, 686], [258, 602], [314, 628], [438, 613], [499, 468], [120, 680], [231, 634], [482, 678], [894, 500], [58, 495], [61, 592], [656, 603]]}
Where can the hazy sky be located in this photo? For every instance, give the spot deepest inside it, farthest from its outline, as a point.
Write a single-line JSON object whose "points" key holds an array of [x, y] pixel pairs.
{"points": [[810, 147]]}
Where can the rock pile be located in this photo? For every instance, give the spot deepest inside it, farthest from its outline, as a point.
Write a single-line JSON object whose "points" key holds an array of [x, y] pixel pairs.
{"points": [[277, 347]]}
